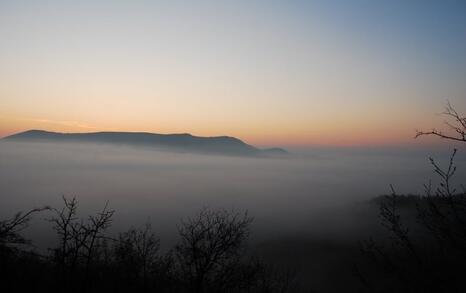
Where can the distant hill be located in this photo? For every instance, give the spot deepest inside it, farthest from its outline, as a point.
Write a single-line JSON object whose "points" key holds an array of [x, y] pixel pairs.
{"points": [[171, 142]]}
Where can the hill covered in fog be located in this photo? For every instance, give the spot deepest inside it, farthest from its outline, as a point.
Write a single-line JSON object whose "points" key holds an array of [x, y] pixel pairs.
{"points": [[184, 142]]}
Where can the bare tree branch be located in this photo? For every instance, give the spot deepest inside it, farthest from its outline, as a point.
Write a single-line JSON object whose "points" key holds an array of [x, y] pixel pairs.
{"points": [[10, 229], [457, 126]]}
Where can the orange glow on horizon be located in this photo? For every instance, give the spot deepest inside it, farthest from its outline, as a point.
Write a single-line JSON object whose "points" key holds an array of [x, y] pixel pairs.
{"points": [[330, 135]]}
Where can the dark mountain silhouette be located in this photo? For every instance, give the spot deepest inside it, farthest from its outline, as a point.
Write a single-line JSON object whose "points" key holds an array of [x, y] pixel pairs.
{"points": [[171, 142]]}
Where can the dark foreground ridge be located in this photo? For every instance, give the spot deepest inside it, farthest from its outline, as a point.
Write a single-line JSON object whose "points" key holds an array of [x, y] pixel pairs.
{"points": [[171, 142]]}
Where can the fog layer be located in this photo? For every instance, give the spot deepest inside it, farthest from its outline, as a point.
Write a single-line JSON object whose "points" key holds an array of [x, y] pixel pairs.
{"points": [[311, 193]]}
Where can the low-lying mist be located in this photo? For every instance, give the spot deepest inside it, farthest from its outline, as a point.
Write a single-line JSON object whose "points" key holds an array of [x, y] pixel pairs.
{"points": [[307, 202], [285, 195]]}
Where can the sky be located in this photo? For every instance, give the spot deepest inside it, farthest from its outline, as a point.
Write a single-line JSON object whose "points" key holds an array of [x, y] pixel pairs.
{"points": [[286, 73]]}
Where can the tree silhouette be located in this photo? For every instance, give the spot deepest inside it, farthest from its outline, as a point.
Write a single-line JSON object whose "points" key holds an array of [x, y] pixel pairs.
{"points": [[456, 124], [10, 229], [211, 247], [431, 255], [79, 241], [136, 253]]}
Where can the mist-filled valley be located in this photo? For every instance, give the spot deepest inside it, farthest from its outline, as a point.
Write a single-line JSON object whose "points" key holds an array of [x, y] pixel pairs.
{"points": [[310, 209]]}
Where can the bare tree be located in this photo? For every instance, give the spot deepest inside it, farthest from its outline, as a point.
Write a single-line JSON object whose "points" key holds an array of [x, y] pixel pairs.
{"points": [[391, 220], [16, 254], [136, 251], [79, 239], [10, 229], [431, 259], [94, 232], [445, 212], [67, 230], [210, 247], [456, 124]]}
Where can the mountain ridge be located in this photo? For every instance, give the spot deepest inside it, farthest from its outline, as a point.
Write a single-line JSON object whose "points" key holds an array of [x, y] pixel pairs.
{"points": [[185, 142]]}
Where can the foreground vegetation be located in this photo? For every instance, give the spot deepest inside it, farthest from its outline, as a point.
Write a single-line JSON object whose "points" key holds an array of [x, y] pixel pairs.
{"points": [[426, 248], [210, 256]]}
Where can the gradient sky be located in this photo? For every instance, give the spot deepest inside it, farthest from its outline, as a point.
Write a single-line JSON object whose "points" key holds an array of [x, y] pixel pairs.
{"points": [[269, 72]]}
